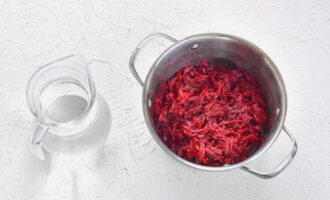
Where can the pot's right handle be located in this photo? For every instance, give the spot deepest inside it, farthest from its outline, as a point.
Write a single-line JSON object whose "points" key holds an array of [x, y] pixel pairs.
{"points": [[279, 168], [138, 49]]}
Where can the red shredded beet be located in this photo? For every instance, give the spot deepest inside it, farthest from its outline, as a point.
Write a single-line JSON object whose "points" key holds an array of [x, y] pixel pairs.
{"points": [[210, 115]]}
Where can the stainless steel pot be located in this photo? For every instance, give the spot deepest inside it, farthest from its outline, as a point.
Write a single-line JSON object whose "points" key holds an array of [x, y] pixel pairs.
{"points": [[220, 48]]}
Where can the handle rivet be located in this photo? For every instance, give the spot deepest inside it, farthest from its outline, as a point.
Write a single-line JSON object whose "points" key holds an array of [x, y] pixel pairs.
{"points": [[194, 46], [278, 111]]}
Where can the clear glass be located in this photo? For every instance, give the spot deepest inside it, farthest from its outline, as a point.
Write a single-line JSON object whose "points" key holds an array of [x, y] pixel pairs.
{"points": [[61, 96]]}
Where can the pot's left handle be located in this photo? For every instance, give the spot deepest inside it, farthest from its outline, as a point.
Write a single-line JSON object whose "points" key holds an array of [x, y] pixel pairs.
{"points": [[138, 49]]}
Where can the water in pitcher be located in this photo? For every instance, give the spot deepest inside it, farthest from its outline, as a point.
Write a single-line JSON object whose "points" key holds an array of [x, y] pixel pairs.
{"points": [[63, 100]]}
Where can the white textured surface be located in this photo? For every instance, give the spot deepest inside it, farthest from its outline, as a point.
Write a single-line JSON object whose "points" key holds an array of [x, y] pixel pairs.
{"points": [[295, 34]]}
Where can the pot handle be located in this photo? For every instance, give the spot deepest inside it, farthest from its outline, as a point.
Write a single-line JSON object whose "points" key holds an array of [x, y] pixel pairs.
{"points": [[138, 49], [280, 167]]}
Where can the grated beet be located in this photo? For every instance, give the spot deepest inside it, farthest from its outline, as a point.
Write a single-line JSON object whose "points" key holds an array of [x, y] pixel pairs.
{"points": [[210, 115]]}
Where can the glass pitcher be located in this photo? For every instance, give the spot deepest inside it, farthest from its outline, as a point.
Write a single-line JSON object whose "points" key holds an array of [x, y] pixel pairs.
{"points": [[61, 96]]}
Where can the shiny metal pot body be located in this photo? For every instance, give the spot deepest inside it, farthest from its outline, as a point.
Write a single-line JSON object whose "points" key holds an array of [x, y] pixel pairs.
{"points": [[234, 51]]}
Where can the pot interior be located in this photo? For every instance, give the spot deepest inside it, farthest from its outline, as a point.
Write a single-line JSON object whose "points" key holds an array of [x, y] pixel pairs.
{"points": [[231, 52]]}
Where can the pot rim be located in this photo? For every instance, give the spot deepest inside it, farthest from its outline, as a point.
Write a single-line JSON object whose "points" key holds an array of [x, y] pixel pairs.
{"points": [[255, 155]]}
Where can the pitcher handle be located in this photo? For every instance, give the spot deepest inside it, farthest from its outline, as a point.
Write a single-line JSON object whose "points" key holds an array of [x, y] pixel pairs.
{"points": [[37, 134], [280, 167], [136, 51]]}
